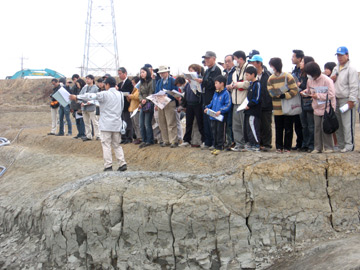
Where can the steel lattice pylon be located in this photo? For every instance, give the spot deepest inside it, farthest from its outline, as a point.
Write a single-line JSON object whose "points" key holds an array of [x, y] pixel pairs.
{"points": [[100, 50]]}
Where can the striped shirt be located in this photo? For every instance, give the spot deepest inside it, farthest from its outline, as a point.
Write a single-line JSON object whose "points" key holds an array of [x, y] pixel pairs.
{"points": [[275, 85]]}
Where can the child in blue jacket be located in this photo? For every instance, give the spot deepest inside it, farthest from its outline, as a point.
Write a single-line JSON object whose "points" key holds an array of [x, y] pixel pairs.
{"points": [[221, 104]]}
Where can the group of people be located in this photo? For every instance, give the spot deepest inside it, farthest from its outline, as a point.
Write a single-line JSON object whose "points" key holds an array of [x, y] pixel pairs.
{"points": [[231, 110]]}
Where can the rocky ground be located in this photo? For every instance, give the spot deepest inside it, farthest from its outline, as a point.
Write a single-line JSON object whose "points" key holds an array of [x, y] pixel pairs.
{"points": [[173, 208]]}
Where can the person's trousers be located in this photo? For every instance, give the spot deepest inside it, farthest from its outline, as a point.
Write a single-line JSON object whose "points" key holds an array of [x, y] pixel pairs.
{"points": [[229, 132], [80, 127], [128, 136], [146, 130], [54, 116], [265, 128], [307, 122], [65, 111], [238, 126], [283, 123], [218, 132], [209, 140], [168, 123], [180, 133], [193, 112], [321, 139], [298, 130], [156, 126], [252, 129], [113, 139], [346, 133], [89, 117], [135, 120]]}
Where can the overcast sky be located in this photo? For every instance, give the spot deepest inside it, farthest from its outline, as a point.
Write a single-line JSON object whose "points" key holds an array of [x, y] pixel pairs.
{"points": [[51, 33]]}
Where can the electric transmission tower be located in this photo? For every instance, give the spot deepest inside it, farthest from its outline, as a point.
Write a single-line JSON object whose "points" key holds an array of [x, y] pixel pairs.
{"points": [[100, 51]]}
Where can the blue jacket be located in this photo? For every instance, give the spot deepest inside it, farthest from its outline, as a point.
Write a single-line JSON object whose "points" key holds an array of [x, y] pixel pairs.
{"points": [[254, 97], [221, 101], [170, 85]]}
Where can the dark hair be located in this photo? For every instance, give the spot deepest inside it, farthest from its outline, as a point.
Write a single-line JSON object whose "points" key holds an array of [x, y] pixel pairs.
{"points": [[81, 82], [148, 75], [180, 81], [299, 53], [220, 79], [232, 56], [312, 69], [276, 63], [75, 76], [307, 59], [240, 54], [91, 77], [136, 79], [62, 80], [111, 81], [251, 70], [196, 67], [330, 65], [100, 80], [122, 69], [55, 80]]}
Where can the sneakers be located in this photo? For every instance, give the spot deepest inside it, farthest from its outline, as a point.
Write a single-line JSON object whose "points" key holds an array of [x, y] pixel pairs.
{"points": [[108, 169], [184, 144], [204, 146], [137, 141], [98, 138], [286, 151], [59, 134], [68, 134], [85, 139], [328, 151], [255, 148], [122, 168], [211, 148], [344, 150], [315, 151], [162, 144], [50, 133], [215, 152], [142, 145], [174, 145], [237, 148], [279, 151]]}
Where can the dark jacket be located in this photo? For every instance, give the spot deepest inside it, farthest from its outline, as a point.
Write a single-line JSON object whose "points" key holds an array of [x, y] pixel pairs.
{"points": [[254, 97], [126, 87], [306, 102], [55, 89], [208, 84], [229, 74], [74, 105], [190, 98], [296, 73], [266, 99]]}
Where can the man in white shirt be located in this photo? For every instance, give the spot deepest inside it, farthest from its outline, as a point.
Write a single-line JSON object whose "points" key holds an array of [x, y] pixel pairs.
{"points": [[111, 106]]}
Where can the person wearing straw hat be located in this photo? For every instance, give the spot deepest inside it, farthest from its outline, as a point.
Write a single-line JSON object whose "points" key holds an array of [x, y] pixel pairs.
{"points": [[167, 116]]}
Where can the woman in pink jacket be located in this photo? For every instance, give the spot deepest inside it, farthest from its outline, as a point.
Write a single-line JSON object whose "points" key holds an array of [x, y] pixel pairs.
{"points": [[318, 87]]}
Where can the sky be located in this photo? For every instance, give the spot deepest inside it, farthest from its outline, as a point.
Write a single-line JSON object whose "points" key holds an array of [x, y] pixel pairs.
{"points": [[51, 33]]}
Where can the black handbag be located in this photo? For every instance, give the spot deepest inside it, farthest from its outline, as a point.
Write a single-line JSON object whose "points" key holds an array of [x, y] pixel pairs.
{"points": [[330, 122]]}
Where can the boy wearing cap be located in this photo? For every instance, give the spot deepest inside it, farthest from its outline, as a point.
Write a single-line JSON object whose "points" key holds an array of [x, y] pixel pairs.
{"points": [[221, 104], [253, 110], [266, 103], [346, 90]]}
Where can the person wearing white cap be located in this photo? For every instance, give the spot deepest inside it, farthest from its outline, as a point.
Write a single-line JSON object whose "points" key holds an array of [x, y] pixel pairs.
{"points": [[167, 116], [346, 90]]}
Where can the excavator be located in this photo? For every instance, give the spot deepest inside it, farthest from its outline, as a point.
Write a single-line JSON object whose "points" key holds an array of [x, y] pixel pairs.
{"points": [[36, 72]]}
